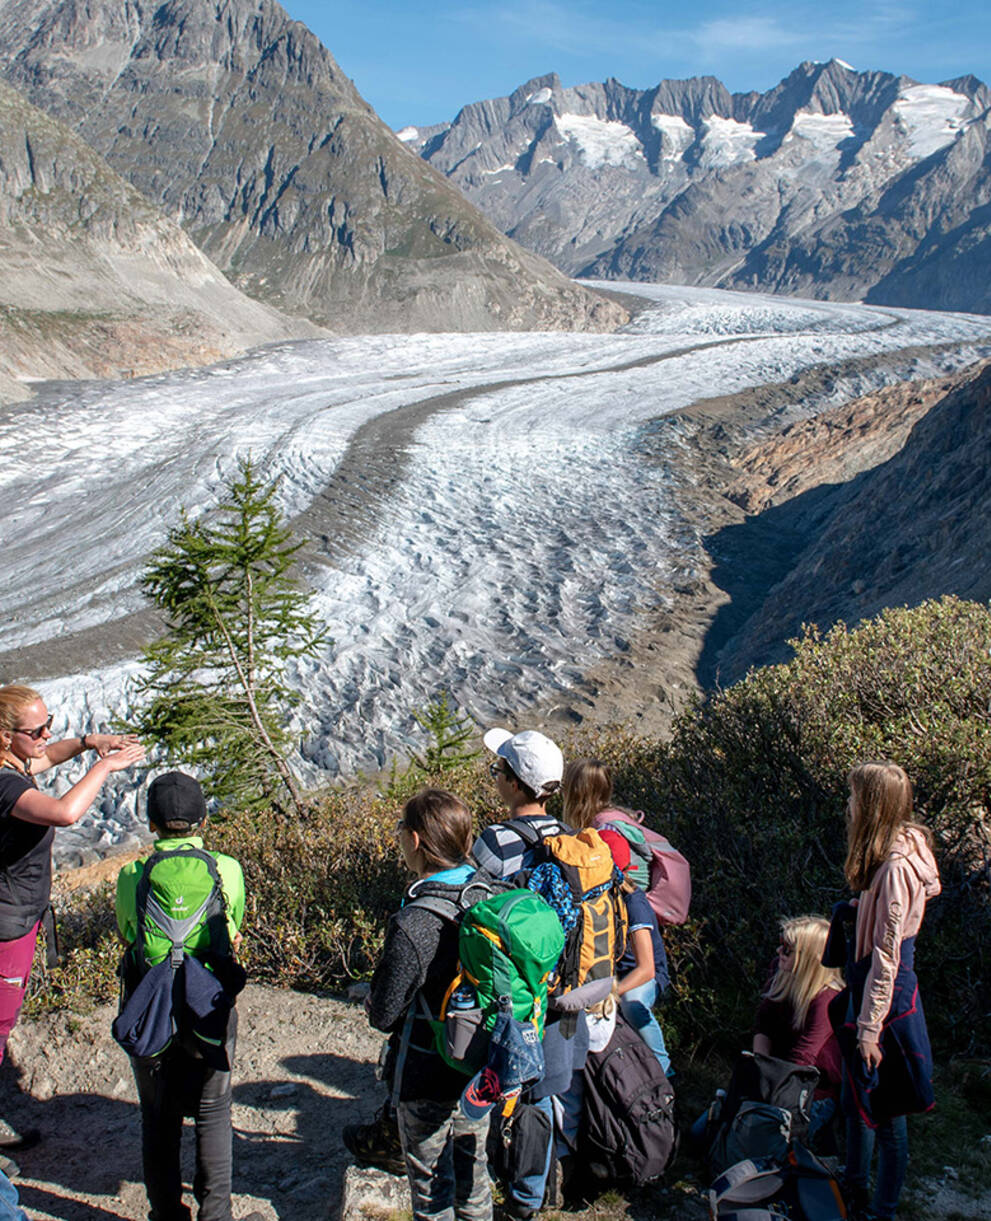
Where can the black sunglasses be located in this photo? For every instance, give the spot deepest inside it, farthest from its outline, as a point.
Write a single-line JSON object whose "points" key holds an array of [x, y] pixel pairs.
{"points": [[35, 734]]}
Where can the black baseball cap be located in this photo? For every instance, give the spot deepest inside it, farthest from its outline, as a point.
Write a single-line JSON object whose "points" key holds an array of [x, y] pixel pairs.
{"points": [[175, 798]]}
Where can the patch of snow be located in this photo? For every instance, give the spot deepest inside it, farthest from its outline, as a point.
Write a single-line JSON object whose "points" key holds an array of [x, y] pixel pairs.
{"points": [[678, 135], [824, 131], [844, 64], [499, 170], [540, 98], [727, 142], [601, 141], [929, 117], [408, 134]]}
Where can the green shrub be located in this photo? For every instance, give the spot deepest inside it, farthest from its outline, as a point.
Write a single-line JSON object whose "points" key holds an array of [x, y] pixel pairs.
{"points": [[752, 786]]}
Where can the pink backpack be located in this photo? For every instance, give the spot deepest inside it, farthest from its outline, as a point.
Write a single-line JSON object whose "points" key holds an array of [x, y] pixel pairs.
{"points": [[657, 868]]}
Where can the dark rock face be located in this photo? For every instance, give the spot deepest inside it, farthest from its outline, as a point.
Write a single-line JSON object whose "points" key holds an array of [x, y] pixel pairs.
{"points": [[836, 183], [911, 527], [237, 122], [96, 281]]}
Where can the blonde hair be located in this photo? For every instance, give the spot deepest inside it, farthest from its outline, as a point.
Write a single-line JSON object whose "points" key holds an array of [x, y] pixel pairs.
{"points": [[880, 807], [13, 700], [586, 790], [806, 937]]}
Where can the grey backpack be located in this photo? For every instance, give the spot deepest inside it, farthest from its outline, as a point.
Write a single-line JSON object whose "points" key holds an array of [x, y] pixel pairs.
{"points": [[767, 1108]]}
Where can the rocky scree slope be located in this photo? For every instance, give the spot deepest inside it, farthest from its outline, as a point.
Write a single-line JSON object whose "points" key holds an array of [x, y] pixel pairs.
{"points": [[835, 183], [237, 122], [95, 281]]}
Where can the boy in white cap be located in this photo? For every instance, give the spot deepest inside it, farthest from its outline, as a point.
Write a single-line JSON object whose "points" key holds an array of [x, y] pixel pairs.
{"points": [[527, 771]]}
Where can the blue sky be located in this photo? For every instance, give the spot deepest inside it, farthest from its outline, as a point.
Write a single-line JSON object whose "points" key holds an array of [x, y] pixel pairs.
{"points": [[419, 63]]}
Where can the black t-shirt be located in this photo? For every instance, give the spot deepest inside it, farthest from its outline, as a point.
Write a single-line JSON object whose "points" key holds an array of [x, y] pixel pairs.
{"points": [[25, 861]]}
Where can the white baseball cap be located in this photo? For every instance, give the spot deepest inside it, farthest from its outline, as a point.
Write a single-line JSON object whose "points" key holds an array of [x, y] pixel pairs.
{"points": [[535, 759]]}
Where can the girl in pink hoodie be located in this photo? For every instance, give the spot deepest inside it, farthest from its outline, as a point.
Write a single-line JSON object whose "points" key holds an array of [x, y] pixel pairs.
{"points": [[882, 1030]]}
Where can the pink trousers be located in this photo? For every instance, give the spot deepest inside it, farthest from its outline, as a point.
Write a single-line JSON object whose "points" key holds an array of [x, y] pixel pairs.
{"points": [[16, 958]]}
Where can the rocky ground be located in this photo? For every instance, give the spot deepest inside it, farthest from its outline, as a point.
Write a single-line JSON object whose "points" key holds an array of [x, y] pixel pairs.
{"points": [[304, 1068]]}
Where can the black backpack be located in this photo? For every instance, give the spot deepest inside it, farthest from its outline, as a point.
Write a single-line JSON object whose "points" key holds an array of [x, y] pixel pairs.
{"points": [[178, 997], [628, 1133], [767, 1107]]}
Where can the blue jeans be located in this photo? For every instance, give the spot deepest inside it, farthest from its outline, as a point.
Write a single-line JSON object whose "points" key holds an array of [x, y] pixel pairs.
{"points": [[10, 1210], [529, 1191], [637, 1007], [892, 1137]]}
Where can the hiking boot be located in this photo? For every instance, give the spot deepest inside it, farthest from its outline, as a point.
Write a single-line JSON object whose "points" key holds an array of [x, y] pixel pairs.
{"points": [[376, 1143], [17, 1142], [9, 1167], [518, 1211]]}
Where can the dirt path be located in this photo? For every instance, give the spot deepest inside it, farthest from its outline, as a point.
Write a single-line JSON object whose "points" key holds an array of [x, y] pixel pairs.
{"points": [[304, 1067]]}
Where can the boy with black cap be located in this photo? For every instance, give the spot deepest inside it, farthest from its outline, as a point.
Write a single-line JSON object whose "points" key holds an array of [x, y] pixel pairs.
{"points": [[180, 1082]]}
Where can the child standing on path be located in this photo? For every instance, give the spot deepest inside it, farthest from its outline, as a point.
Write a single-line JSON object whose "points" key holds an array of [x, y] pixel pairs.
{"points": [[885, 1044], [444, 1150], [180, 1081], [527, 772]]}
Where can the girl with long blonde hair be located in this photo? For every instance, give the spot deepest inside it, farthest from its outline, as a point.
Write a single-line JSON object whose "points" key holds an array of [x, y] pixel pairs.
{"points": [[793, 1019], [885, 1044]]}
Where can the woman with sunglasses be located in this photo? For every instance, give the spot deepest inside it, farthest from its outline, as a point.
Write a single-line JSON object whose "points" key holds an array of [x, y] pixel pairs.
{"points": [[28, 819]]}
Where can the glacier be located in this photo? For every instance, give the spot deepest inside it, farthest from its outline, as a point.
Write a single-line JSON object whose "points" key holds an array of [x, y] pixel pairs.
{"points": [[522, 534]]}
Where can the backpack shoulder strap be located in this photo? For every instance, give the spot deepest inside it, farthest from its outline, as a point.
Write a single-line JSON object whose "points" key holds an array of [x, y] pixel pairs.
{"points": [[149, 910], [439, 899]]}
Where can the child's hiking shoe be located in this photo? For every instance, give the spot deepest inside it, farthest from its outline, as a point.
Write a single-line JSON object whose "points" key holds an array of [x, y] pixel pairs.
{"points": [[11, 1141], [377, 1143], [519, 1212]]}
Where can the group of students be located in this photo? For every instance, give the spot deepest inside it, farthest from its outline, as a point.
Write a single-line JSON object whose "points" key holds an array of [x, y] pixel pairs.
{"points": [[866, 1036]]}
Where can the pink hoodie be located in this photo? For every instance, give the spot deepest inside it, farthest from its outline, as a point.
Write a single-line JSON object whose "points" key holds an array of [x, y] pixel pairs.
{"points": [[890, 910]]}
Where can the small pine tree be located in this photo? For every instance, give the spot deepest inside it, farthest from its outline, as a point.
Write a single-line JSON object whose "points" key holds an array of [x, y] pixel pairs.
{"points": [[448, 734], [215, 684]]}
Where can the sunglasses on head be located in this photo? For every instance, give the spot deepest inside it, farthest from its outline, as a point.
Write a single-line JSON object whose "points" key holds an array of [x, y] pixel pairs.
{"points": [[35, 734]]}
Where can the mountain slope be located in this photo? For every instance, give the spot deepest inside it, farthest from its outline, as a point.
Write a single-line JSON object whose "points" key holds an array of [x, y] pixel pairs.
{"points": [[912, 527], [239, 124], [836, 183], [94, 281]]}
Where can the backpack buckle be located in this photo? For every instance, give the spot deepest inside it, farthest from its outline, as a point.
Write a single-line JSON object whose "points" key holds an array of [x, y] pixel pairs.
{"points": [[177, 955]]}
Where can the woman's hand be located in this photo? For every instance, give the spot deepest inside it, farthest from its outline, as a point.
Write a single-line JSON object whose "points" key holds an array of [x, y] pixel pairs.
{"points": [[870, 1051], [105, 743], [119, 757]]}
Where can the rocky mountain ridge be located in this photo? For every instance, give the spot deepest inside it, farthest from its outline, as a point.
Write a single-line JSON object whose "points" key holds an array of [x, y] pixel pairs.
{"points": [[236, 122], [835, 183], [94, 281]]}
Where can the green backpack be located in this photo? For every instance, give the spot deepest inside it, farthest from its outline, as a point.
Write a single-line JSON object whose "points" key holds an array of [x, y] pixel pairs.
{"points": [[509, 943]]}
